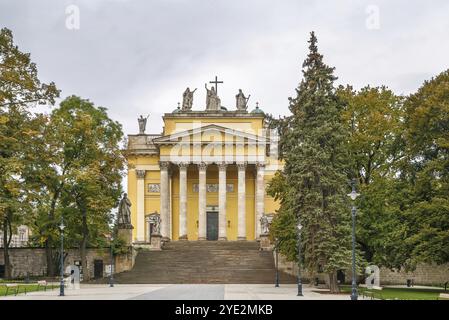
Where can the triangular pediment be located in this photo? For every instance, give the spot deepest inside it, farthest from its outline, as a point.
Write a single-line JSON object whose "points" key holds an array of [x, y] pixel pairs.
{"points": [[210, 133]]}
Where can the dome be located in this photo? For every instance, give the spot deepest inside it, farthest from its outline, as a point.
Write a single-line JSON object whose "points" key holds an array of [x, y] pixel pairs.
{"points": [[177, 110], [257, 110]]}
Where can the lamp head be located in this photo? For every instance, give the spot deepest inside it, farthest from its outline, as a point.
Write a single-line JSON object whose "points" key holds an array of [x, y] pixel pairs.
{"points": [[353, 195]]}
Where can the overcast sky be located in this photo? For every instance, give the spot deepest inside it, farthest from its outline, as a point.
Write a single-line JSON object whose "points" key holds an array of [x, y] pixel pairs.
{"points": [[138, 56]]}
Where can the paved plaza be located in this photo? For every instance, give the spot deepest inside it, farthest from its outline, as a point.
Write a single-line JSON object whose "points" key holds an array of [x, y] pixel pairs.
{"points": [[182, 292]]}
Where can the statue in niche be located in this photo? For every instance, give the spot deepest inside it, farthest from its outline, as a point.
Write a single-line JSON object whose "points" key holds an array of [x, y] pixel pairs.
{"points": [[142, 124], [124, 211], [212, 100], [155, 220], [241, 101], [187, 99], [264, 224]]}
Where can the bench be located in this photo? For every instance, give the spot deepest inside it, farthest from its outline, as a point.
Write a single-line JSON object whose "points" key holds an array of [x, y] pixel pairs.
{"points": [[13, 286]]}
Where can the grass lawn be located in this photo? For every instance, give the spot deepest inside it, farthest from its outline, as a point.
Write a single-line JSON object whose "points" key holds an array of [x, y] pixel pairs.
{"points": [[398, 293], [22, 287]]}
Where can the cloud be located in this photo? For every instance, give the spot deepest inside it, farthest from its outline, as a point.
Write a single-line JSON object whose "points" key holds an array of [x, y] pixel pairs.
{"points": [[137, 57]]}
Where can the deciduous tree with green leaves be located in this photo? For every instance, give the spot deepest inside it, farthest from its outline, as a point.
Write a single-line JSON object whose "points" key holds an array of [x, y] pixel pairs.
{"points": [[91, 143], [20, 89], [426, 170], [374, 119]]}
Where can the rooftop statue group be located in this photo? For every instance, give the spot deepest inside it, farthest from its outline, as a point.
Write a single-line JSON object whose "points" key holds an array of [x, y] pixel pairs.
{"points": [[213, 101]]}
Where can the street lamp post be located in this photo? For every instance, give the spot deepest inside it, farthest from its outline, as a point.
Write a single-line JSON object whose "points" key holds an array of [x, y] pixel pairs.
{"points": [[111, 278], [299, 226], [61, 284], [277, 265], [353, 195]]}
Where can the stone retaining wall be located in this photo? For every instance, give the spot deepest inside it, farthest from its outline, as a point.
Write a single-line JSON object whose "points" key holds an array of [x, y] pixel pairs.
{"points": [[425, 274], [33, 260]]}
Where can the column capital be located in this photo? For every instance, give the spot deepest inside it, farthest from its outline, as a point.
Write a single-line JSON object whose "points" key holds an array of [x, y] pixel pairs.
{"points": [[164, 164], [202, 166], [222, 166], [242, 165], [260, 165], [140, 174], [183, 165]]}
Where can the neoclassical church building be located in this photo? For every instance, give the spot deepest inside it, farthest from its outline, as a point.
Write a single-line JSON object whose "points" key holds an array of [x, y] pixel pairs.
{"points": [[204, 176]]}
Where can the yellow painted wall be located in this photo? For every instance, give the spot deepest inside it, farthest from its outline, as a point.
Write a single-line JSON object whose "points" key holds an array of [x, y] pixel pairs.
{"points": [[152, 200], [248, 125]]}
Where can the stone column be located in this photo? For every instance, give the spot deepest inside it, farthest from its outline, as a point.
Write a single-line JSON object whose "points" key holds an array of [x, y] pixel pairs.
{"points": [[260, 195], [183, 201], [147, 232], [241, 229], [140, 174], [222, 225], [164, 198], [202, 224]]}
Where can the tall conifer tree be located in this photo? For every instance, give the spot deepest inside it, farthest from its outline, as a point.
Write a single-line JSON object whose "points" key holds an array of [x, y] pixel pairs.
{"points": [[316, 168]]}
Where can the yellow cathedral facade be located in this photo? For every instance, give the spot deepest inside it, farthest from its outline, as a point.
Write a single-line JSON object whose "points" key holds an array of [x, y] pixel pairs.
{"points": [[204, 177]]}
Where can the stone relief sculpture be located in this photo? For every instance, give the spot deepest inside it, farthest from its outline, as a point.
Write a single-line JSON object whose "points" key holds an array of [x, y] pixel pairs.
{"points": [[142, 124], [213, 102], [124, 211], [241, 101], [187, 99]]}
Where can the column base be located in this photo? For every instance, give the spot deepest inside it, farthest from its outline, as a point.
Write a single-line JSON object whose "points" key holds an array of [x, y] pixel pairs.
{"points": [[183, 237], [222, 239], [241, 238], [202, 239]]}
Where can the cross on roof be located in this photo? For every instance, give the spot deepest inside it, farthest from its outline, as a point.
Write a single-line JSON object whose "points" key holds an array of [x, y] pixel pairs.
{"points": [[216, 82]]}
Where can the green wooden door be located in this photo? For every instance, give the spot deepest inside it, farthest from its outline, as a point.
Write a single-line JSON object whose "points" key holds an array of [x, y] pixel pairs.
{"points": [[212, 226]]}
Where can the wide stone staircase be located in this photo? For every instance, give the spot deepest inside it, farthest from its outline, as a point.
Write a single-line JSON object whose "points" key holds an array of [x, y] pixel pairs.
{"points": [[204, 262]]}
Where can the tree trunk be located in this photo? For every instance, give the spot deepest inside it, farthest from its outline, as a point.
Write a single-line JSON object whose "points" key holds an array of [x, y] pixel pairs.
{"points": [[50, 259], [51, 270], [83, 246], [333, 284], [8, 270]]}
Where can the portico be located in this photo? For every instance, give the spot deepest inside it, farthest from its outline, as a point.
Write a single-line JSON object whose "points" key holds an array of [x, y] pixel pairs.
{"points": [[205, 175], [197, 184]]}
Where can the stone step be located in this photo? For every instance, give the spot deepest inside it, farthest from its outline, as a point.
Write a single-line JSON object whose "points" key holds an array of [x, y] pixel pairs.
{"points": [[204, 262]]}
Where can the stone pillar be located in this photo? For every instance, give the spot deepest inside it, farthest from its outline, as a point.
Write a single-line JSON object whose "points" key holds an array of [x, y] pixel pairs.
{"points": [[164, 198], [241, 229], [140, 174], [202, 224], [147, 230], [182, 201], [170, 203], [260, 195], [222, 225]]}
